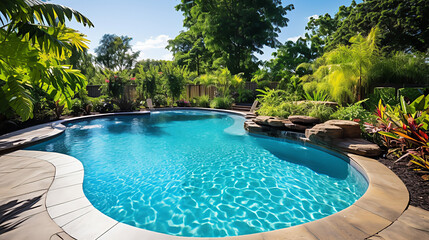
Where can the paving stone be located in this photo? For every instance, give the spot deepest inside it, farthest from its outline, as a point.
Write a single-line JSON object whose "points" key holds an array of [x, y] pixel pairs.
{"points": [[67, 180], [291, 233], [133, 233], [416, 218], [63, 195], [68, 207], [401, 231], [38, 226], [68, 217], [89, 226], [378, 200]]}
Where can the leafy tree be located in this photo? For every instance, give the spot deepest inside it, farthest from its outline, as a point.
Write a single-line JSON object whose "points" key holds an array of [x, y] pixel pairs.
{"points": [[147, 80], [35, 43], [234, 30], [403, 24], [115, 53], [320, 30], [176, 78], [343, 71], [286, 59], [189, 50]]}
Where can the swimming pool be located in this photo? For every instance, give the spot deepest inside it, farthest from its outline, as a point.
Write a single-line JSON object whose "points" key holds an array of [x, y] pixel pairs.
{"points": [[198, 173]]}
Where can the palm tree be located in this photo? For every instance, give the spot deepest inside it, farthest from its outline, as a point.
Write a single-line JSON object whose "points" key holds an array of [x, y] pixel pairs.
{"points": [[343, 72], [34, 43]]}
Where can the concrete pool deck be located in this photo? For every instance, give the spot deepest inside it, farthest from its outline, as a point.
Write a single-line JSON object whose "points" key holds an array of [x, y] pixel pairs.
{"points": [[41, 197]]}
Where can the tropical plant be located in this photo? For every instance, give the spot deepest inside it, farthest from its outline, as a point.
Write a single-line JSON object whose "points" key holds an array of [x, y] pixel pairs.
{"points": [[222, 102], [147, 81], [404, 128], [34, 44], [222, 80], [203, 101], [343, 72], [316, 96]]}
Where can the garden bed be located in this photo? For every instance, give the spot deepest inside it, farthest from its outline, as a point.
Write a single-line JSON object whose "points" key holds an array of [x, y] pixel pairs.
{"points": [[418, 188]]}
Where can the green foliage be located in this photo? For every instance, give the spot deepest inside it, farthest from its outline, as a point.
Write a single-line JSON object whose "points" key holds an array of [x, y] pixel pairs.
{"points": [[403, 24], [147, 81], [356, 112], [404, 129], [222, 102], [316, 96], [190, 51], [233, 30], [401, 69], [115, 53], [285, 61], [160, 100], [410, 94], [34, 45], [76, 107], [245, 95], [176, 79], [203, 101], [223, 80], [343, 72]]}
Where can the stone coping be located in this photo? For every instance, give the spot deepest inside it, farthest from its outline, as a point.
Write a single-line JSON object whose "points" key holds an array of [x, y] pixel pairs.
{"points": [[383, 203]]}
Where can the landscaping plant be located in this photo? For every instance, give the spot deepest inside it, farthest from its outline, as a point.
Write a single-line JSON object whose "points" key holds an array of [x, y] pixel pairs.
{"points": [[404, 130]]}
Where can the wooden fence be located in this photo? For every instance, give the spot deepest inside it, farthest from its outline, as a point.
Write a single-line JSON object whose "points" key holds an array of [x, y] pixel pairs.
{"points": [[191, 90]]}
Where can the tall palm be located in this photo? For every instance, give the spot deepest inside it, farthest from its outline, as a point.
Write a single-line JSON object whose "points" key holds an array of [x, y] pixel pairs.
{"points": [[343, 72], [34, 43]]}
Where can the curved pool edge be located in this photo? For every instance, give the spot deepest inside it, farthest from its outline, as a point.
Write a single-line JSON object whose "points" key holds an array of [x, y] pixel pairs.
{"points": [[384, 201]]}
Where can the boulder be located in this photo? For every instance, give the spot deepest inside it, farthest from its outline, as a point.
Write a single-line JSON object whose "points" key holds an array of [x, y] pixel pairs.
{"points": [[277, 123], [350, 129], [252, 127], [296, 127], [324, 133], [305, 120], [358, 146], [262, 120]]}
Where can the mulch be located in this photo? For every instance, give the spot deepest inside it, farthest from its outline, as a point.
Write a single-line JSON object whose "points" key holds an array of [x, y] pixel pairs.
{"points": [[418, 188]]}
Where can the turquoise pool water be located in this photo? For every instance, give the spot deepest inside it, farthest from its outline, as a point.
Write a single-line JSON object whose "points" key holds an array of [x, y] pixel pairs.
{"points": [[199, 174]]}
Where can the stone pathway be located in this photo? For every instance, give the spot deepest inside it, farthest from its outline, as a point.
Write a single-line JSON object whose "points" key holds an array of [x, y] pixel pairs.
{"points": [[24, 182], [412, 224]]}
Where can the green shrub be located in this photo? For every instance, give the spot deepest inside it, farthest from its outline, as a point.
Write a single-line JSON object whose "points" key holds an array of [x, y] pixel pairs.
{"points": [[97, 104], [203, 101], [221, 102], [410, 94], [245, 96], [76, 107], [354, 112], [386, 94], [321, 111], [159, 100]]}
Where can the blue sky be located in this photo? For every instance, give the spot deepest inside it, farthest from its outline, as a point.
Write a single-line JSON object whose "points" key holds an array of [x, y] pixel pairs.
{"points": [[152, 22]]}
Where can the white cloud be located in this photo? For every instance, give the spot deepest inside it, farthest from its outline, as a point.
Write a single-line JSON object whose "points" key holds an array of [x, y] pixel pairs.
{"points": [[315, 16], [153, 48], [152, 43], [168, 56], [294, 39]]}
